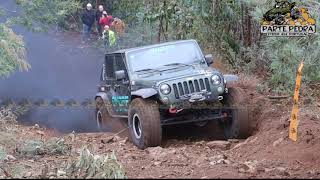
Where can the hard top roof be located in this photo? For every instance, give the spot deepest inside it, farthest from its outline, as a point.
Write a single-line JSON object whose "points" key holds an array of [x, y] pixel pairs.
{"points": [[149, 46]]}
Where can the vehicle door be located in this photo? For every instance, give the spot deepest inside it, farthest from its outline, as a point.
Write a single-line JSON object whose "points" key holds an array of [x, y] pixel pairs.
{"points": [[121, 88]]}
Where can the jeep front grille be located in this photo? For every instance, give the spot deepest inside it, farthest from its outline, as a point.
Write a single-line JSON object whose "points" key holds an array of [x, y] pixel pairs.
{"points": [[189, 87]]}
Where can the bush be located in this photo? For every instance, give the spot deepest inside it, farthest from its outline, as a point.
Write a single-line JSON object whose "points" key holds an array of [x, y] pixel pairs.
{"points": [[89, 165], [12, 52], [53, 146]]}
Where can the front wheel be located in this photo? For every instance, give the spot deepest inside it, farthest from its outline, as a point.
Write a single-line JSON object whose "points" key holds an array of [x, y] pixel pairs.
{"points": [[238, 125], [144, 123]]}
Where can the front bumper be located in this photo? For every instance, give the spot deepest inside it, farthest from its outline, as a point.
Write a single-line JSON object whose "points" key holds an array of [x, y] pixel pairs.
{"points": [[196, 115]]}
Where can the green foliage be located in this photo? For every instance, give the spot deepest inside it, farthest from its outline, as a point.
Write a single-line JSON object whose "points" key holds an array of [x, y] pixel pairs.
{"points": [[3, 153], [89, 165], [53, 146], [12, 52], [39, 15]]}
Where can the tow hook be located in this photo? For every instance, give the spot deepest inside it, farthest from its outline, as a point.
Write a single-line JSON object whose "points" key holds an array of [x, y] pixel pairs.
{"points": [[174, 110]]}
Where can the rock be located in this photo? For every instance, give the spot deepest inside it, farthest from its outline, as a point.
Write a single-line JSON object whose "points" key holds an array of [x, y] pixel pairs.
{"points": [[52, 174], [218, 159], [157, 163], [155, 150], [281, 171], [116, 138], [10, 158], [277, 142], [109, 139], [36, 126], [226, 161], [124, 141], [27, 174], [222, 145], [248, 167], [233, 140], [243, 168], [61, 173], [260, 170], [200, 143]]}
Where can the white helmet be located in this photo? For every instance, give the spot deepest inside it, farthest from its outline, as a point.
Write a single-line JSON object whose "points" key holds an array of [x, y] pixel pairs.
{"points": [[89, 5]]}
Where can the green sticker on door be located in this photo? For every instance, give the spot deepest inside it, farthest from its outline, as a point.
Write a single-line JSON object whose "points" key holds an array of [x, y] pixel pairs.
{"points": [[120, 103]]}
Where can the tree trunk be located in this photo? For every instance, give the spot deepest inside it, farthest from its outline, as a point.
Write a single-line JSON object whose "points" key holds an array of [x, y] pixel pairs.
{"points": [[161, 22], [248, 39]]}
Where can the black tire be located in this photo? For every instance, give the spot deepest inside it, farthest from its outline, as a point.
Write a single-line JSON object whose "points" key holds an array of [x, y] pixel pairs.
{"points": [[144, 123], [237, 127], [102, 115]]}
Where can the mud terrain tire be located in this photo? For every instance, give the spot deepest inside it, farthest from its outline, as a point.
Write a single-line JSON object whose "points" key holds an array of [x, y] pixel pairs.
{"points": [[102, 115], [144, 123], [238, 127]]}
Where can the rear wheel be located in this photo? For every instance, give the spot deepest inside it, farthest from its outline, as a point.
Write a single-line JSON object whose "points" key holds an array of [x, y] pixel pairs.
{"points": [[102, 115], [238, 126], [144, 123]]}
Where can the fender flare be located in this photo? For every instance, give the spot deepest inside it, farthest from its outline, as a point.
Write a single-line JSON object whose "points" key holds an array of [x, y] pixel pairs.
{"points": [[103, 95], [144, 93]]}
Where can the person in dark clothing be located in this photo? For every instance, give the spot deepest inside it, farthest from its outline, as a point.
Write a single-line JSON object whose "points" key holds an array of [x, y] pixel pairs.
{"points": [[99, 14], [87, 18]]}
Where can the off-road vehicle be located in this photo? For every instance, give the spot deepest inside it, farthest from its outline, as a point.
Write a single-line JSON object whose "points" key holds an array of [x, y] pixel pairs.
{"points": [[280, 10], [167, 84]]}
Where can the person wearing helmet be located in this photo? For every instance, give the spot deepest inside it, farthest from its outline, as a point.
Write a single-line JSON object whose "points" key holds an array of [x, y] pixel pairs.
{"points": [[87, 18]]}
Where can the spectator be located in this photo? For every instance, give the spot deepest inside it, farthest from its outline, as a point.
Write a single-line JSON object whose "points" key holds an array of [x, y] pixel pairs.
{"points": [[98, 16], [109, 18], [104, 20], [118, 26], [109, 38], [87, 18]]}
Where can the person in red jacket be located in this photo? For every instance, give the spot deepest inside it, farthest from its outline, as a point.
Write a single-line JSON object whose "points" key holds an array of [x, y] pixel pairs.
{"points": [[105, 20]]}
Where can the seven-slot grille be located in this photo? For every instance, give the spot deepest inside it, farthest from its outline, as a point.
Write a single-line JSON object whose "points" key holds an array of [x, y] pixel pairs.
{"points": [[189, 87]]}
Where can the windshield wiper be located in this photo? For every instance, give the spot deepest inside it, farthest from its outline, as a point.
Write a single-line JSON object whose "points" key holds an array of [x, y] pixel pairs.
{"points": [[179, 64], [148, 69]]}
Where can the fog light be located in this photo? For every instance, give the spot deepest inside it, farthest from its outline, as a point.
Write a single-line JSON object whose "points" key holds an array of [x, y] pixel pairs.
{"points": [[220, 89], [165, 100]]}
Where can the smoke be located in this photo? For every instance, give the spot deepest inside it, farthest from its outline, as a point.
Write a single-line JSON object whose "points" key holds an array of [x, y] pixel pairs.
{"points": [[61, 69]]}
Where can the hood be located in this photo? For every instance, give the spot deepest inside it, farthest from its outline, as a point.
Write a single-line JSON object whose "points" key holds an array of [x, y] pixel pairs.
{"points": [[150, 79]]}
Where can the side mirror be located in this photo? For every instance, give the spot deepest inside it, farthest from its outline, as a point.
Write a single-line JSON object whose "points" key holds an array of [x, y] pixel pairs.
{"points": [[120, 75], [209, 59]]}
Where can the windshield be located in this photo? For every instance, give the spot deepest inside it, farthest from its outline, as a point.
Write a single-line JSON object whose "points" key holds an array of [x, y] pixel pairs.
{"points": [[153, 58]]}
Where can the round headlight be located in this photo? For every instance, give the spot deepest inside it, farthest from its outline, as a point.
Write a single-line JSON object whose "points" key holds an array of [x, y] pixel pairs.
{"points": [[165, 89], [216, 80]]}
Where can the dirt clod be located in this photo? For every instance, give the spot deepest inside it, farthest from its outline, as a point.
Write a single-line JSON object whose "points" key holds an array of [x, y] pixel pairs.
{"points": [[222, 145]]}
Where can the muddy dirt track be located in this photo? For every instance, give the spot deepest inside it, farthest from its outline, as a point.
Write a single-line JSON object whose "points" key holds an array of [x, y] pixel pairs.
{"points": [[187, 152], [63, 69]]}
